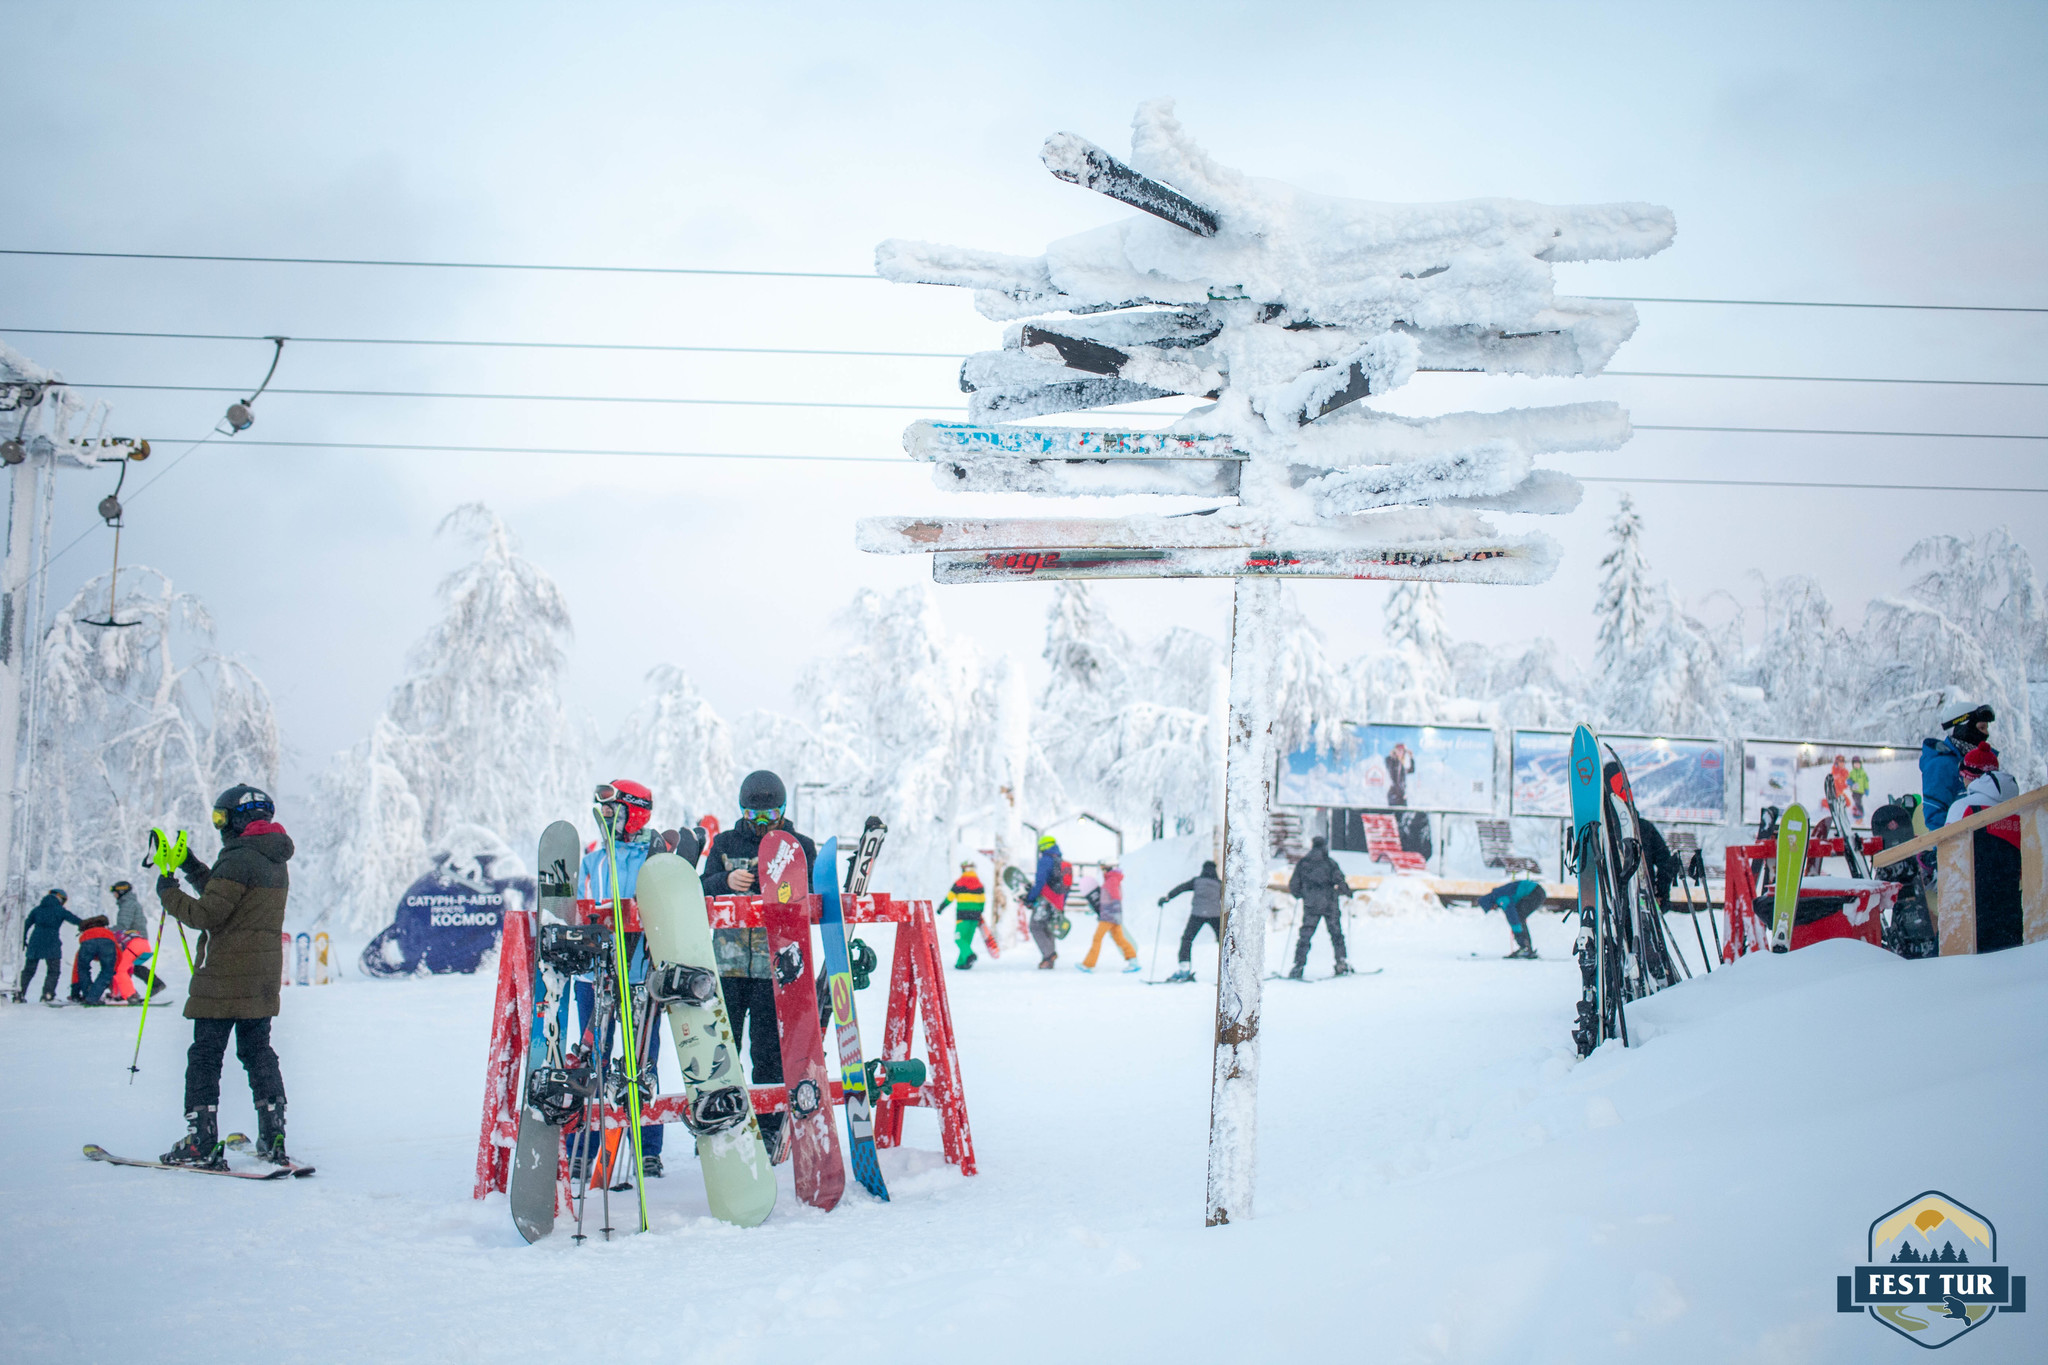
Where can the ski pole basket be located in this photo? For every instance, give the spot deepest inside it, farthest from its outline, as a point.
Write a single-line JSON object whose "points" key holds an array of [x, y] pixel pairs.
{"points": [[917, 989]]}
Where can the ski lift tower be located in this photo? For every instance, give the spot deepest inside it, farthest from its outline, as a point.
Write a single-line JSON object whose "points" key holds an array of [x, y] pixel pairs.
{"points": [[44, 427], [1283, 310]]}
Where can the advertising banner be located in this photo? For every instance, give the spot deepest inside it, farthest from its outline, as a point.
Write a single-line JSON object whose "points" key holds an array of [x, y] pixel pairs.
{"points": [[1777, 772], [1395, 767], [1676, 781]]}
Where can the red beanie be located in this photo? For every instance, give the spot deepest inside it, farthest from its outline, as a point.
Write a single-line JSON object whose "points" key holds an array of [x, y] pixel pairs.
{"points": [[1981, 759]]}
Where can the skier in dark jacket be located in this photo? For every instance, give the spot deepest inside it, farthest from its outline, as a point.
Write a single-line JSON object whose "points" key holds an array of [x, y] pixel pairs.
{"points": [[1205, 890], [1517, 900], [1941, 760], [1321, 886], [239, 912], [744, 964], [41, 943]]}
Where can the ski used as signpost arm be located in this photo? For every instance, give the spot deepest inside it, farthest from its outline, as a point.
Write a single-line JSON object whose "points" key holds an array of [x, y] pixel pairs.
{"points": [[1793, 828], [860, 1123]]}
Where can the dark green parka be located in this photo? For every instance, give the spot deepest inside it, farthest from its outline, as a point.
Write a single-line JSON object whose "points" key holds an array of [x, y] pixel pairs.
{"points": [[240, 915]]}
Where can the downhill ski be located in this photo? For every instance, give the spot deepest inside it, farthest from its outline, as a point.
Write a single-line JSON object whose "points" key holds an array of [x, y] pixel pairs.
{"points": [[99, 1153], [860, 1125], [1792, 831], [808, 1132], [739, 1182], [1596, 1019], [554, 1093], [1852, 847]]}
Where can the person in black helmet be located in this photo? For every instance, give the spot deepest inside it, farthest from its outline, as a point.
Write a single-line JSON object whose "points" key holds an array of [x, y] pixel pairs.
{"points": [[743, 957], [1965, 726], [239, 911]]}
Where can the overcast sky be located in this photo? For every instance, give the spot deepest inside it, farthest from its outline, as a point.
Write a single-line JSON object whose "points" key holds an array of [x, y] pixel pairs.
{"points": [[1840, 152]]}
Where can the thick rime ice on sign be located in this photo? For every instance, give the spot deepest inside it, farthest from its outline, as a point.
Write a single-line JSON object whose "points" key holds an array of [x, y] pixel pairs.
{"points": [[1286, 308]]}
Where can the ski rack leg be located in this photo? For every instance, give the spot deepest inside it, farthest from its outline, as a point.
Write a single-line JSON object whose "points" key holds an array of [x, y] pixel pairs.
{"points": [[897, 1027], [941, 1047], [510, 1010]]}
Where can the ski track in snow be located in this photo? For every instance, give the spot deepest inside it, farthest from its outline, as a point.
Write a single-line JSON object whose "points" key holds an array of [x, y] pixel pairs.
{"points": [[1439, 1179]]}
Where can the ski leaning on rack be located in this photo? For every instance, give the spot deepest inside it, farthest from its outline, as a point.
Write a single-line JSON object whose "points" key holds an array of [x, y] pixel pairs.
{"points": [[1638, 915], [1852, 847], [807, 1131], [1599, 1006], [853, 1084], [739, 1182], [1793, 827], [553, 1094]]}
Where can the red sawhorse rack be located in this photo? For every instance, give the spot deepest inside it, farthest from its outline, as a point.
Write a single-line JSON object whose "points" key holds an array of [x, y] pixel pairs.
{"points": [[917, 986], [1861, 917]]}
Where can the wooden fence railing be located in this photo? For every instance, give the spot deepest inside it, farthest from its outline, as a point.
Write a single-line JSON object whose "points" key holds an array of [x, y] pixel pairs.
{"points": [[1955, 907]]}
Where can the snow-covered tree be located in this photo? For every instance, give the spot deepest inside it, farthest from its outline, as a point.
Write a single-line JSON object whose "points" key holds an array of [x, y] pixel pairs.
{"points": [[1628, 600], [676, 743], [477, 734], [141, 727], [1410, 680]]}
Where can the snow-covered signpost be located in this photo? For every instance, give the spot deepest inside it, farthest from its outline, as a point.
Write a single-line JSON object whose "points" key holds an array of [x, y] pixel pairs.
{"points": [[1284, 309]]}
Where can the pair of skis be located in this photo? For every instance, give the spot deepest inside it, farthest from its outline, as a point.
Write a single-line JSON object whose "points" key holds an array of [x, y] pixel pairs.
{"points": [[233, 1142]]}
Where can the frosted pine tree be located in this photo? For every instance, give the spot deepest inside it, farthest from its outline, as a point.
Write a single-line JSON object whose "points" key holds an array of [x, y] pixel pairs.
{"points": [[477, 733], [369, 840], [1628, 599], [1410, 680], [1091, 663], [142, 727], [676, 743]]}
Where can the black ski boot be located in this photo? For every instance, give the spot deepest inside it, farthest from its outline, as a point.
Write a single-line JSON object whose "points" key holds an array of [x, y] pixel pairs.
{"points": [[1186, 973], [1295, 975], [270, 1132], [201, 1143], [773, 1135], [1343, 968], [650, 1165]]}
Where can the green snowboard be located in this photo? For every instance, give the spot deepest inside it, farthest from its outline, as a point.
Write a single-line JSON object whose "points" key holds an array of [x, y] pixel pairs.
{"points": [[738, 1180], [1792, 830]]}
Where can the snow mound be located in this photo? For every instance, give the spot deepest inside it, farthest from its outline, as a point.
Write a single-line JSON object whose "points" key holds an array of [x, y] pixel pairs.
{"points": [[1402, 896]]}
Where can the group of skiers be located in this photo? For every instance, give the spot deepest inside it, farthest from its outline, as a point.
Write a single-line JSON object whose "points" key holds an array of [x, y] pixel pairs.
{"points": [[111, 965]]}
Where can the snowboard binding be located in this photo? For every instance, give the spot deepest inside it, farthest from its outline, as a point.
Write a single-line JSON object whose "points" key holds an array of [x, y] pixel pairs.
{"points": [[717, 1110], [574, 949], [673, 983], [557, 1094]]}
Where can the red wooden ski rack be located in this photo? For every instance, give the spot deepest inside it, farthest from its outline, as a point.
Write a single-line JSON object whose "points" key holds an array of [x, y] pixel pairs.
{"points": [[916, 985], [1746, 931]]}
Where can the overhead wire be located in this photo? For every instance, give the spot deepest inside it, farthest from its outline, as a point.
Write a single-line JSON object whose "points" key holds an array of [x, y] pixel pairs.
{"points": [[218, 257], [902, 355]]}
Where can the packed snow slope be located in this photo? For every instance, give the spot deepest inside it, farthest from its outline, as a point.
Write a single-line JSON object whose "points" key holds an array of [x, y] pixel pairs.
{"points": [[1439, 1178]]}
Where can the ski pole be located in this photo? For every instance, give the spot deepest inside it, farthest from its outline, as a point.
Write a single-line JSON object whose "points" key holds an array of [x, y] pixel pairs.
{"points": [[627, 1032], [148, 993], [1685, 884], [1158, 927]]}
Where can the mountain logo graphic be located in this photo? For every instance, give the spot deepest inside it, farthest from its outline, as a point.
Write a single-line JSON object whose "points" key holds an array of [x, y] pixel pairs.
{"points": [[1932, 1272]]}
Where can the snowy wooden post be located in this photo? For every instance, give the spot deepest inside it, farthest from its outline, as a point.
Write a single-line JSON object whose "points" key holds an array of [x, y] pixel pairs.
{"points": [[1284, 309]]}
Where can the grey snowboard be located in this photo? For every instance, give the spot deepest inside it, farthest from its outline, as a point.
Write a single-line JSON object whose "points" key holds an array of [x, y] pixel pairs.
{"points": [[537, 1156]]}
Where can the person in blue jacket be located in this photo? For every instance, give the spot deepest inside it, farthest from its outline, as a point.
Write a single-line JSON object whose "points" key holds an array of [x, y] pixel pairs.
{"points": [[629, 807], [41, 944], [1047, 899], [1517, 900], [1941, 760]]}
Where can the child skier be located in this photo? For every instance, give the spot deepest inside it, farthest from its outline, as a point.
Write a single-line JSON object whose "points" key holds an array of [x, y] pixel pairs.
{"points": [[41, 945], [93, 970], [1517, 900], [240, 914], [1205, 890], [1109, 920], [968, 898], [628, 807]]}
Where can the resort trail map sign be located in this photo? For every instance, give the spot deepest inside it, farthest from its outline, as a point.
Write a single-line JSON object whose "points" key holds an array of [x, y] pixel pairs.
{"points": [[1394, 767], [1778, 772], [1676, 781]]}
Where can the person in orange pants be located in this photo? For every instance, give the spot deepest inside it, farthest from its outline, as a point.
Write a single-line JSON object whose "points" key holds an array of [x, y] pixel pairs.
{"points": [[1109, 920]]}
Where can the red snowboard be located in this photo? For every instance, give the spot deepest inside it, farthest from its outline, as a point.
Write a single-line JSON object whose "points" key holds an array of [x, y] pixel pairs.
{"points": [[808, 1132]]}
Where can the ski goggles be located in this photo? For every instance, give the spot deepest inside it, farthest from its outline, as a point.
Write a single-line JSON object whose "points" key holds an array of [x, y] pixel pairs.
{"points": [[608, 795], [766, 816]]}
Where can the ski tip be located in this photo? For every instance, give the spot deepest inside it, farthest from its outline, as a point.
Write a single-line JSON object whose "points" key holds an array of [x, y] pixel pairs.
{"points": [[96, 1152]]}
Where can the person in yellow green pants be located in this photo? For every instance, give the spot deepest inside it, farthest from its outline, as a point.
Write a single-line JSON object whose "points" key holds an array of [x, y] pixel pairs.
{"points": [[967, 899], [1109, 920]]}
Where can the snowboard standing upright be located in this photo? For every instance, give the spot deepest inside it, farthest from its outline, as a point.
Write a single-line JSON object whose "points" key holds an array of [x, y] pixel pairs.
{"points": [[683, 977], [1597, 1018], [552, 1093], [853, 1082], [1793, 827], [812, 1141]]}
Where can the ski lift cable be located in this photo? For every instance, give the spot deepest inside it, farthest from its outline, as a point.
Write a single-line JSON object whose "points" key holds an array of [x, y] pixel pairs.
{"points": [[908, 355], [874, 278]]}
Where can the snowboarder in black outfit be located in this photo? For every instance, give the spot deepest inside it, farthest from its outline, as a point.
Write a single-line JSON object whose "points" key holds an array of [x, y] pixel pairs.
{"points": [[1321, 886], [1517, 900], [41, 944], [239, 912], [745, 967], [1205, 889]]}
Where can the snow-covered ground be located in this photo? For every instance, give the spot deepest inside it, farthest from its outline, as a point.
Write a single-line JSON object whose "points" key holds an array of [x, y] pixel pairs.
{"points": [[1439, 1178]]}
